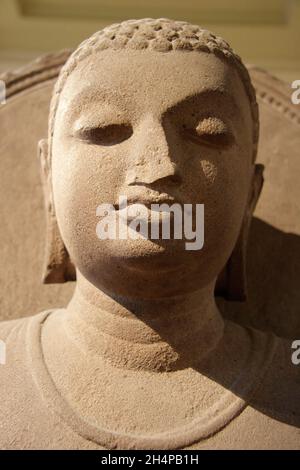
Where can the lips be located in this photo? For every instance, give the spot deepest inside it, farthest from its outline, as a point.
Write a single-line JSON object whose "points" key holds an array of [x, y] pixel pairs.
{"points": [[146, 200], [133, 212], [138, 206]]}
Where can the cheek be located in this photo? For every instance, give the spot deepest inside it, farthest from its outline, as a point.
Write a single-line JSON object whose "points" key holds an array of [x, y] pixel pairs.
{"points": [[226, 201], [83, 177], [220, 180]]}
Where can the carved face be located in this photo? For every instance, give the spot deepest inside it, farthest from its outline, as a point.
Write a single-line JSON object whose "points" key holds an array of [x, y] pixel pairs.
{"points": [[152, 126]]}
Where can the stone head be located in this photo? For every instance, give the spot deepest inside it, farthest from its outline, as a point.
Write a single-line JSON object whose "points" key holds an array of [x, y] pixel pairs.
{"points": [[151, 109]]}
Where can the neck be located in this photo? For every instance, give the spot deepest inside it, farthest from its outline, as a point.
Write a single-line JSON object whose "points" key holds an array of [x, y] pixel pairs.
{"points": [[146, 334]]}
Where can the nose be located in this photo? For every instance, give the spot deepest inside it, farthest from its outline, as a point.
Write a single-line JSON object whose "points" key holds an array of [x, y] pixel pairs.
{"points": [[151, 159]]}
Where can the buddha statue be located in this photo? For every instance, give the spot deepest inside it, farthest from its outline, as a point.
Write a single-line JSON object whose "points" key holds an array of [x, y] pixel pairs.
{"points": [[158, 111]]}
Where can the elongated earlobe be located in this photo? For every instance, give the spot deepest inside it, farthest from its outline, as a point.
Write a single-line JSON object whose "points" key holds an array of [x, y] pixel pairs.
{"points": [[58, 267]]}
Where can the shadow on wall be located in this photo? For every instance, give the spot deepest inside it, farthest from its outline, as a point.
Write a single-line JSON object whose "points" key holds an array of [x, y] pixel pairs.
{"points": [[273, 267]]}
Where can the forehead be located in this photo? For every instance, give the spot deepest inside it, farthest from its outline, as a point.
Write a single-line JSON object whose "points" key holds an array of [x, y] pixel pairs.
{"points": [[154, 81]]}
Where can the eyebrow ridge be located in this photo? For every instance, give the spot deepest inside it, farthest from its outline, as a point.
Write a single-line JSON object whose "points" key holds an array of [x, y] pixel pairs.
{"points": [[96, 92], [202, 95]]}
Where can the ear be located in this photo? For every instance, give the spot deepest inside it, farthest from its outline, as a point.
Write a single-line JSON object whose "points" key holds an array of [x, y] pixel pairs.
{"points": [[256, 187], [58, 267], [45, 170], [232, 281]]}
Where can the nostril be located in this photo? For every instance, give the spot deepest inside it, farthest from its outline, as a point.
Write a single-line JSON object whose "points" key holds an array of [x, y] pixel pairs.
{"points": [[171, 178], [175, 179]]}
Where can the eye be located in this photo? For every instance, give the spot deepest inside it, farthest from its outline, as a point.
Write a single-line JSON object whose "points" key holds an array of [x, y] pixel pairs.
{"points": [[111, 134], [212, 132]]}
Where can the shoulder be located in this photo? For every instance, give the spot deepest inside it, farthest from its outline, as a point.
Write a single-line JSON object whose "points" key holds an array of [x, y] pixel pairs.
{"points": [[11, 330], [278, 394], [14, 338], [8, 326], [19, 398]]}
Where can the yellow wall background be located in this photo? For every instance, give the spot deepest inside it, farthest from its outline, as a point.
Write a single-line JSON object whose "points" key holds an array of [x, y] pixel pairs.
{"points": [[263, 32]]}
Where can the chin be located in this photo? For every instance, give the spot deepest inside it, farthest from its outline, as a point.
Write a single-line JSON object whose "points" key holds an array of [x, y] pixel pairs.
{"points": [[147, 277], [144, 250], [146, 256]]}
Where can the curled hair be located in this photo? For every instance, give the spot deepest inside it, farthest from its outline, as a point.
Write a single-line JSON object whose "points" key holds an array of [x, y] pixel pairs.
{"points": [[160, 35]]}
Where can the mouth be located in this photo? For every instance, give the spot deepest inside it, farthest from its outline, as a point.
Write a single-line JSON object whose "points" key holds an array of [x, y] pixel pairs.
{"points": [[148, 208], [147, 201]]}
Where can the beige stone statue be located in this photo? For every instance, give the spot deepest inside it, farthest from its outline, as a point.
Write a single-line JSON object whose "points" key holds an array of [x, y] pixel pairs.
{"points": [[158, 111]]}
